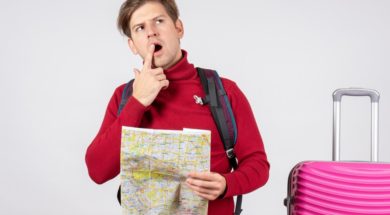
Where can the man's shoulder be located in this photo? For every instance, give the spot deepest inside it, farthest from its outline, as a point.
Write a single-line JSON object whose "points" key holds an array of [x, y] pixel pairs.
{"points": [[228, 84], [119, 90], [120, 87]]}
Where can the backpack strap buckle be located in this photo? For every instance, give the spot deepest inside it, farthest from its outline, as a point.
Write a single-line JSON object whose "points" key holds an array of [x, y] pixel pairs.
{"points": [[230, 153]]}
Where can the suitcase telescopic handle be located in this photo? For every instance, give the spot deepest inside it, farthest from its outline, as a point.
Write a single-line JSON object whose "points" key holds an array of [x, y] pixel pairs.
{"points": [[374, 95]]}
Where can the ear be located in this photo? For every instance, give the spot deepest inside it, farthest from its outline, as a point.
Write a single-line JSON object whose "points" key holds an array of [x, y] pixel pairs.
{"points": [[179, 28], [132, 46]]}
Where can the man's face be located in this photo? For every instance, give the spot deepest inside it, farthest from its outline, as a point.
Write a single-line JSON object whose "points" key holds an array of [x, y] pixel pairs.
{"points": [[151, 24]]}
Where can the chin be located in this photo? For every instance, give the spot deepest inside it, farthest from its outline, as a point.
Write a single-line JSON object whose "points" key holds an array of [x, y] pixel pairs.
{"points": [[161, 64]]}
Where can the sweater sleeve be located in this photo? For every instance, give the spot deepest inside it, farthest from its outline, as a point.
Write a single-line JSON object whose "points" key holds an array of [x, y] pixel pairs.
{"points": [[103, 154], [253, 166]]}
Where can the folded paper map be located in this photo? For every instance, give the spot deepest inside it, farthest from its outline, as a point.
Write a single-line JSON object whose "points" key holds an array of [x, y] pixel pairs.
{"points": [[154, 167]]}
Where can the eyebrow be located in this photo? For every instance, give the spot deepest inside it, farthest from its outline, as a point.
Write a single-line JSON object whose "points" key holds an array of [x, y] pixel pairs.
{"points": [[155, 18]]}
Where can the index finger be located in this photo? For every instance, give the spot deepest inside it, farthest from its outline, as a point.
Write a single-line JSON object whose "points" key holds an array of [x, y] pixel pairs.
{"points": [[149, 57], [207, 176]]}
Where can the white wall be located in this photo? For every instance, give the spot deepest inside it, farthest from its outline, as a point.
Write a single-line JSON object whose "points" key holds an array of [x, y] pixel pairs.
{"points": [[61, 60]]}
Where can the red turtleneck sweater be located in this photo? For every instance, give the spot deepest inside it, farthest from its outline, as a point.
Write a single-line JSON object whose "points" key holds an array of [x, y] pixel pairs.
{"points": [[175, 108]]}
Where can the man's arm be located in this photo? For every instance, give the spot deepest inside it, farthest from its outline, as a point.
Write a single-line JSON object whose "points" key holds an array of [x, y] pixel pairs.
{"points": [[103, 155], [253, 165], [253, 171]]}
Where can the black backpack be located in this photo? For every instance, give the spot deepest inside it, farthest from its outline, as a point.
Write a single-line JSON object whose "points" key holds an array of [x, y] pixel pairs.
{"points": [[221, 110]]}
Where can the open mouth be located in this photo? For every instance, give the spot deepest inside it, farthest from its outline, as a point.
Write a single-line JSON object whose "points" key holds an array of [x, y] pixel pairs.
{"points": [[157, 48]]}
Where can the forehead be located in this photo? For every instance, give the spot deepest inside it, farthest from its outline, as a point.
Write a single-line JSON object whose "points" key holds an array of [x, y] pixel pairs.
{"points": [[148, 11]]}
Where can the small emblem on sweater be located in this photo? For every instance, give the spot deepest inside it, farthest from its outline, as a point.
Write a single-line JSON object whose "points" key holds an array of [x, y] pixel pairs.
{"points": [[198, 100]]}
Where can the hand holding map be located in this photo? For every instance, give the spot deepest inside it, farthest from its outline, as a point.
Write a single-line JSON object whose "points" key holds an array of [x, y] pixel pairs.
{"points": [[154, 168]]}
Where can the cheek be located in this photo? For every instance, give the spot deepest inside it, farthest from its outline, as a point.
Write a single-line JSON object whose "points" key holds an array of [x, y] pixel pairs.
{"points": [[141, 47], [174, 41]]}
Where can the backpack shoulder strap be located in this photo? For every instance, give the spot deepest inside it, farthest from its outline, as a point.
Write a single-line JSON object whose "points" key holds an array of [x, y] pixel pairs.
{"points": [[127, 91], [223, 116], [220, 109]]}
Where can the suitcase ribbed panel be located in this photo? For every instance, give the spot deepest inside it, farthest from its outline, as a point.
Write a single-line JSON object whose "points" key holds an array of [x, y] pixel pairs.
{"points": [[341, 188]]}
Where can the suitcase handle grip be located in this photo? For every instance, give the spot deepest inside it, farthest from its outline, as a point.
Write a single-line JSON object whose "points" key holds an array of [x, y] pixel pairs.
{"points": [[374, 95]]}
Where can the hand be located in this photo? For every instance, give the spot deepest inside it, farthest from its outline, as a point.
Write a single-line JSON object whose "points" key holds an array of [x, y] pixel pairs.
{"points": [[209, 185], [149, 81]]}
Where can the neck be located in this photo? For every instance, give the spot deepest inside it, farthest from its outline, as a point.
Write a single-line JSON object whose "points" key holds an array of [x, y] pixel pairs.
{"points": [[181, 70], [178, 57]]}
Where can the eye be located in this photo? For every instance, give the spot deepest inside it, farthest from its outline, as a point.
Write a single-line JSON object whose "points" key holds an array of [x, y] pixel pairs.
{"points": [[139, 28], [159, 21]]}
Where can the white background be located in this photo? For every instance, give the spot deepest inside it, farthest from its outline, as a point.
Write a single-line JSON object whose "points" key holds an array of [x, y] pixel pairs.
{"points": [[61, 60]]}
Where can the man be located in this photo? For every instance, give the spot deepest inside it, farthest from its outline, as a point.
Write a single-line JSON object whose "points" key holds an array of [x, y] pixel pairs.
{"points": [[162, 98]]}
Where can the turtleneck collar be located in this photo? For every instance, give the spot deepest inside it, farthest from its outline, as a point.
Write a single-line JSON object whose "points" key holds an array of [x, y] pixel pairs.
{"points": [[182, 70]]}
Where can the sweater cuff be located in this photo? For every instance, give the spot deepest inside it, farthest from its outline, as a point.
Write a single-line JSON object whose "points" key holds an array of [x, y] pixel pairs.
{"points": [[229, 177], [133, 112]]}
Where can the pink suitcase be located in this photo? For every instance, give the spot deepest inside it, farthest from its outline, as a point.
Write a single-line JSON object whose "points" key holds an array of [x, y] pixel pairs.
{"points": [[342, 188]]}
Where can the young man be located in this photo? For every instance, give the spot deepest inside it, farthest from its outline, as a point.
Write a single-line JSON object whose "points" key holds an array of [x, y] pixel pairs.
{"points": [[162, 98]]}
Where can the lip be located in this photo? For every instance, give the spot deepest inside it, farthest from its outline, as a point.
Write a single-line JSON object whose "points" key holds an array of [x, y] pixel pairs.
{"points": [[156, 53], [159, 52]]}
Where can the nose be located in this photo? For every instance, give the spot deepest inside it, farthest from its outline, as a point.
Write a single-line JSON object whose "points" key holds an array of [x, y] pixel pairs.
{"points": [[152, 31]]}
